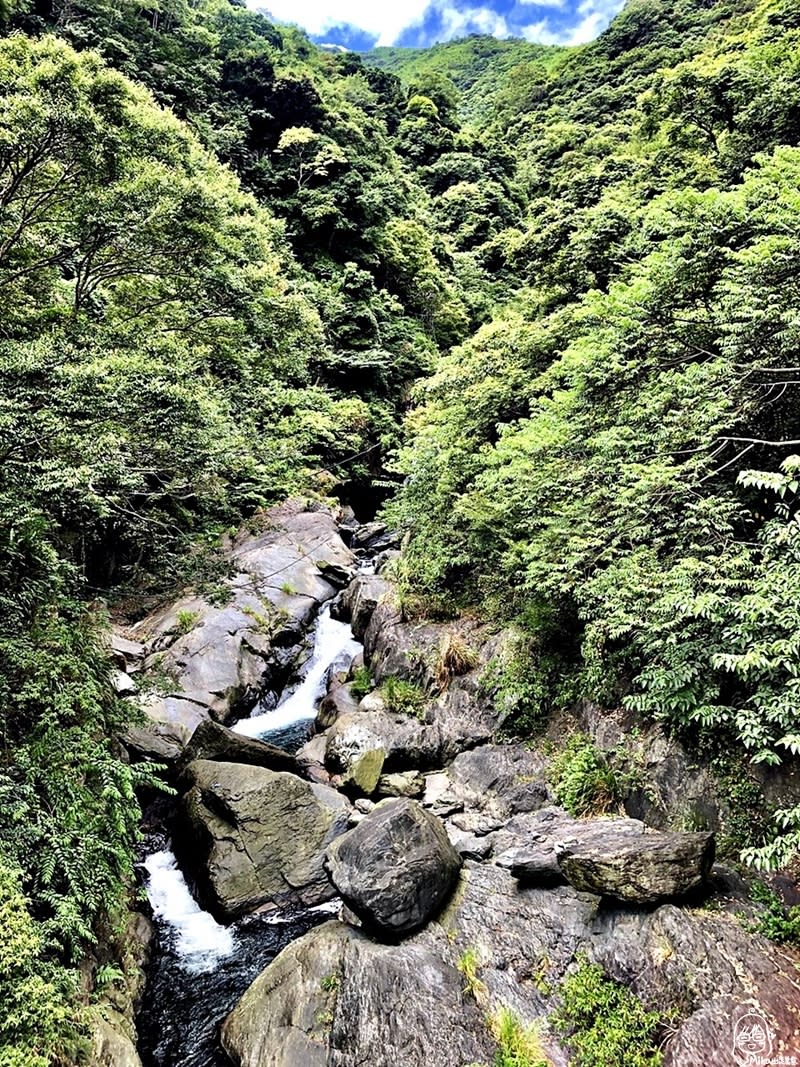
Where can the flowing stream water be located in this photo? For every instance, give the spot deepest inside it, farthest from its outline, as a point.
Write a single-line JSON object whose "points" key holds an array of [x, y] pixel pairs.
{"points": [[200, 969], [287, 724]]}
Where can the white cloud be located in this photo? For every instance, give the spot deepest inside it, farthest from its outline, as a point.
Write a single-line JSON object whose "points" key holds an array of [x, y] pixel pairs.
{"points": [[540, 33], [595, 15], [459, 21], [560, 4], [388, 21]]}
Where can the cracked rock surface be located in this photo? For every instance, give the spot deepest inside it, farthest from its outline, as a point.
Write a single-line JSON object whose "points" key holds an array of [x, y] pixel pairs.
{"points": [[255, 836]]}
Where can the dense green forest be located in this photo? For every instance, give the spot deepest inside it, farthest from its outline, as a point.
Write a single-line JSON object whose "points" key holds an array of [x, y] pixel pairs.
{"points": [[544, 301]]}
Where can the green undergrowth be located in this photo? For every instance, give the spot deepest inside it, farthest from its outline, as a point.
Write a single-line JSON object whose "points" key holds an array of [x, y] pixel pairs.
{"points": [[775, 920], [745, 819], [533, 674], [518, 1045], [605, 1024], [403, 697], [585, 780], [469, 966], [362, 682], [40, 1022]]}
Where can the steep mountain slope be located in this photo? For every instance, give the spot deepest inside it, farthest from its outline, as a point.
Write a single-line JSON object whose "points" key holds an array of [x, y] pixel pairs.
{"points": [[483, 69], [582, 463]]}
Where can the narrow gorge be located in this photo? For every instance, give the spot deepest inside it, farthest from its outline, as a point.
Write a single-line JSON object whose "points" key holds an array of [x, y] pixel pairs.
{"points": [[400, 534]]}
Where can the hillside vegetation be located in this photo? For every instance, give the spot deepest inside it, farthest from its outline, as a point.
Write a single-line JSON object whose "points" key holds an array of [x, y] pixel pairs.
{"points": [[612, 459], [225, 258]]}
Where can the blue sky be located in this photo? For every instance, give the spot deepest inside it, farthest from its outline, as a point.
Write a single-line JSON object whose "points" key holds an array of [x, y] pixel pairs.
{"points": [[363, 23]]}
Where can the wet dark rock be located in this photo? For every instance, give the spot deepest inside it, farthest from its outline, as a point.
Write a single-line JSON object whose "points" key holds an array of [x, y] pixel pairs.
{"points": [[335, 573], [396, 868], [213, 741], [182, 1010], [374, 537], [533, 866]]}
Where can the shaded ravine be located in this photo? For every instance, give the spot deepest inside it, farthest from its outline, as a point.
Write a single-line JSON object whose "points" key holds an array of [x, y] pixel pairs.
{"points": [[200, 969]]}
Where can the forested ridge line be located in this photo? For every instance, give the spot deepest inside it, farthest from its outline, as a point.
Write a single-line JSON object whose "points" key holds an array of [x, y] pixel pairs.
{"points": [[226, 258]]}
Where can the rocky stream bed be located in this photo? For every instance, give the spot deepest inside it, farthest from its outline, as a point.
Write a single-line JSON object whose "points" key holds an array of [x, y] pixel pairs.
{"points": [[327, 861]]}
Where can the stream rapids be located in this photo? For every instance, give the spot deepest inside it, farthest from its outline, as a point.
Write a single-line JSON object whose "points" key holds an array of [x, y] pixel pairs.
{"points": [[199, 969]]}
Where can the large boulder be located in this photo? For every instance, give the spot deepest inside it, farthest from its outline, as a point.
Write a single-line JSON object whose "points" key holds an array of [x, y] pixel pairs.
{"points": [[495, 780], [641, 870], [257, 836], [396, 869], [611, 857], [356, 755], [111, 1046], [401, 784], [153, 743], [409, 743], [335, 998], [338, 701], [359, 601], [213, 741], [711, 969], [374, 537]]}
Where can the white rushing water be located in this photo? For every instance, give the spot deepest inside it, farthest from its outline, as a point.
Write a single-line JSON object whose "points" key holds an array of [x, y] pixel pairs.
{"points": [[200, 941], [330, 907], [333, 644]]}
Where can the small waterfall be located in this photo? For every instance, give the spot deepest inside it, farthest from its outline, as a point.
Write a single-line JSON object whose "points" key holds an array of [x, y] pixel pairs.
{"points": [[334, 644], [201, 969], [198, 940]]}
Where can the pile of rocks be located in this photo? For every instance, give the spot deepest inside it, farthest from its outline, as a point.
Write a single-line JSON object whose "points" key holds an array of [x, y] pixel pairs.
{"points": [[441, 845]]}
